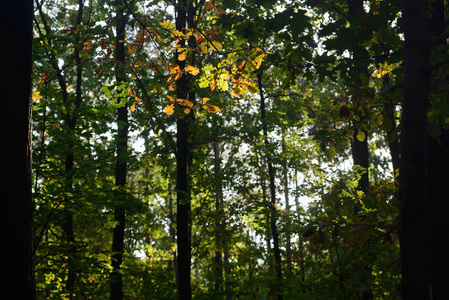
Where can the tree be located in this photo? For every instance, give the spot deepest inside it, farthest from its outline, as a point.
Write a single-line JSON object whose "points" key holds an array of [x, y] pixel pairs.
{"points": [[15, 179], [414, 238], [184, 142], [121, 161]]}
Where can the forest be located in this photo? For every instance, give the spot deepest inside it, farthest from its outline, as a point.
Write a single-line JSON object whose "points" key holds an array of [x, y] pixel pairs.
{"points": [[224, 149]]}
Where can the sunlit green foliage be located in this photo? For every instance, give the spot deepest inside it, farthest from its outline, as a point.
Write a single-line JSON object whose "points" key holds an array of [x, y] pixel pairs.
{"points": [[343, 242]]}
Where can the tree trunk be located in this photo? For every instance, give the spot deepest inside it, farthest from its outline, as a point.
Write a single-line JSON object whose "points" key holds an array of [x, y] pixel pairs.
{"points": [[360, 153], [184, 142], [438, 151], [414, 155], [15, 178], [271, 173], [219, 228], [121, 162], [288, 252]]}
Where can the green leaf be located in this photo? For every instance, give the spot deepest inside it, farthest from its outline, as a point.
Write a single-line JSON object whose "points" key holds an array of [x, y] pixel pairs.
{"points": [[361, 136]]}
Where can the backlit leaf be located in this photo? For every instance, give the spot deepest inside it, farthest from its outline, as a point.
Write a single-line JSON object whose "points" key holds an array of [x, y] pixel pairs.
{"points": [[169, 109], [192, 70]]}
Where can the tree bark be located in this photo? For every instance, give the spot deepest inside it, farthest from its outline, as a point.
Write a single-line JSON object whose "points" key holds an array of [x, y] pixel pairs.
{"points": [[414, 155], [121, 162], [438, 151], [360, 153], [16, 201], [184, 123]]}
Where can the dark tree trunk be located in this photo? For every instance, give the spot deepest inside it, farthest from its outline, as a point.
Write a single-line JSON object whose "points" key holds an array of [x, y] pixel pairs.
{"points": [[414, 215], [16, 203], [360, 153], [184, 135], [121, 162], [271, 173], [438, 148]]}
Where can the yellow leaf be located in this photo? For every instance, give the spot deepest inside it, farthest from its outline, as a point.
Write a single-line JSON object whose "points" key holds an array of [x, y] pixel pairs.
{"points": [[177, 33], [204, 49], [205, 99], [222, 82], [258, 61], [171, 98], [36, 95], [169, 109], [192, 70], [213, 82], [217, 45], [182, 56], [174, 69], [187, 111], [167, 25], [185, 102], [131, 49], [133, 107], [211, 108]]}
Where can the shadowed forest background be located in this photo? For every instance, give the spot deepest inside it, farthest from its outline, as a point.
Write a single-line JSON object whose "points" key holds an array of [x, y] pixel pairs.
{"points": [[224, 149]]}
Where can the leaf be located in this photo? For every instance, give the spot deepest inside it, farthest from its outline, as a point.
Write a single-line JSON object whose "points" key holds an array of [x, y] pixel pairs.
{"points": [[258, 61], [192, 70], [204, 49], [211, 108], [361, 136], [213, 82], [182, 56], [174, 69], [217, 45], [169, 109], [167, 25], [36, 95], [185, 102], [205, 99], [131, 49], [222, 82]]}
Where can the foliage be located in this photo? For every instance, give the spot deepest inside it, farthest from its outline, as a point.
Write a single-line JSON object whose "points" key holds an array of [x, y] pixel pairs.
{"points": [[343, 242]]}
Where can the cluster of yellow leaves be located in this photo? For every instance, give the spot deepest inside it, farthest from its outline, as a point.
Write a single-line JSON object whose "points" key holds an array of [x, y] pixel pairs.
{"points": [[187, 105], [137, 100], [36, 96], [184, 103]]}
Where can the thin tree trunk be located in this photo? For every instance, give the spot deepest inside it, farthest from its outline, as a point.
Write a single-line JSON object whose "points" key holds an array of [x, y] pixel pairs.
{"points": [[271, 173], [219, 209], [16, 214], [288, 253], [121, 162], [222, 255], [414, 155], [184, 134]]}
